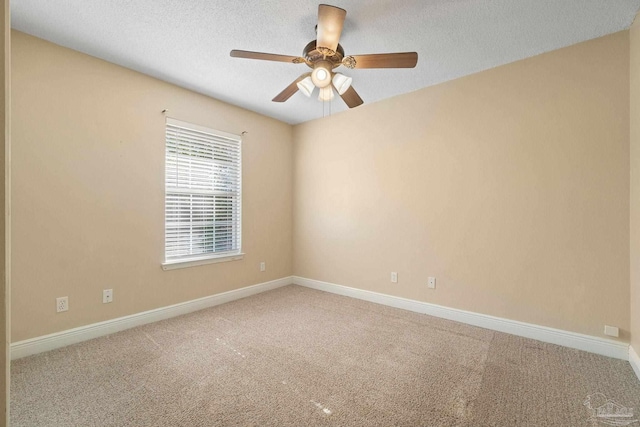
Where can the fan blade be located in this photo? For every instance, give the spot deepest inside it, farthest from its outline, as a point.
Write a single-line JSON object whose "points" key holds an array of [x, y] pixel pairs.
{"points": [[330, 22], [387, 60], [351, 98], [266, 56], [290, 90]]}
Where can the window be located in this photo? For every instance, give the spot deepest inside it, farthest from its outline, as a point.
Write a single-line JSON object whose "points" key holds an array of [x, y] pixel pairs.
{"points": [[202, 195]]}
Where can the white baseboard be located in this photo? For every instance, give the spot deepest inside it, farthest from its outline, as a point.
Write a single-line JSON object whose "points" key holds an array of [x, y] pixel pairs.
{"points": [[95, 330], [555, 336], [605, 347], [634, 360]]}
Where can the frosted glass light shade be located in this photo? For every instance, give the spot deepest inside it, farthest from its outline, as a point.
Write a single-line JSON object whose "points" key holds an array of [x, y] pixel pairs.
{"points": [[321, 76], [326, 94], [341, 82], [306, 86]]}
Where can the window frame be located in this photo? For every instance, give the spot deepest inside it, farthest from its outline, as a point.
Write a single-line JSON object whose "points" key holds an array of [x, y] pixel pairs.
{"points": [[208, 257]]}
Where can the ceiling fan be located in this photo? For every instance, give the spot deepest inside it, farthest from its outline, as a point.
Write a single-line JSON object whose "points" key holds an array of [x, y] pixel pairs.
{"points": [[325, 54]]}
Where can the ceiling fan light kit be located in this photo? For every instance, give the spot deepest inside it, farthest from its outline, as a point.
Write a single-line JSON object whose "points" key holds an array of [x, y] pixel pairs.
{"points": [[321, 74], [341, 82], [306, 86], [323, 55], [326, 94]]}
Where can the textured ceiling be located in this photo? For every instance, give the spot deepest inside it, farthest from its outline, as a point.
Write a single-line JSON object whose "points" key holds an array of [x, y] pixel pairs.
{"points": [[188, 42]]}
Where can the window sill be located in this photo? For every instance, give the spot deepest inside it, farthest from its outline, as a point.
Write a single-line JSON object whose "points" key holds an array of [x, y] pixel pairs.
{"points": [[173, 265]]}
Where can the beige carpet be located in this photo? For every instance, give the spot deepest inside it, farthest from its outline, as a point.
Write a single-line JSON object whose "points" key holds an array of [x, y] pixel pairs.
{"points": [[299, 357]]}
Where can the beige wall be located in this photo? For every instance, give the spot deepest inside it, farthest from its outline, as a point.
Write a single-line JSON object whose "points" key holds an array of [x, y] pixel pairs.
{"points": [[635, 184], [510, 186], [5, 202], [88, 190]]}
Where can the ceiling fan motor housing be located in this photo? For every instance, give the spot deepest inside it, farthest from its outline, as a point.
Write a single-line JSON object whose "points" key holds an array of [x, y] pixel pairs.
{"points": [[312, 54]]}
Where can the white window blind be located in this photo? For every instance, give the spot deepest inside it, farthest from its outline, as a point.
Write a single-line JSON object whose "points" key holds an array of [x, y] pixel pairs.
{"points": [[202, 193]]}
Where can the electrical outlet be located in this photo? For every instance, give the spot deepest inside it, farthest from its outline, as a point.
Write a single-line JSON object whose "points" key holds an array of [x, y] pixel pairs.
{"points": [[612, 331], [431, 283], [263, 266], [62, 304], [394, 277], [107, 296]]}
